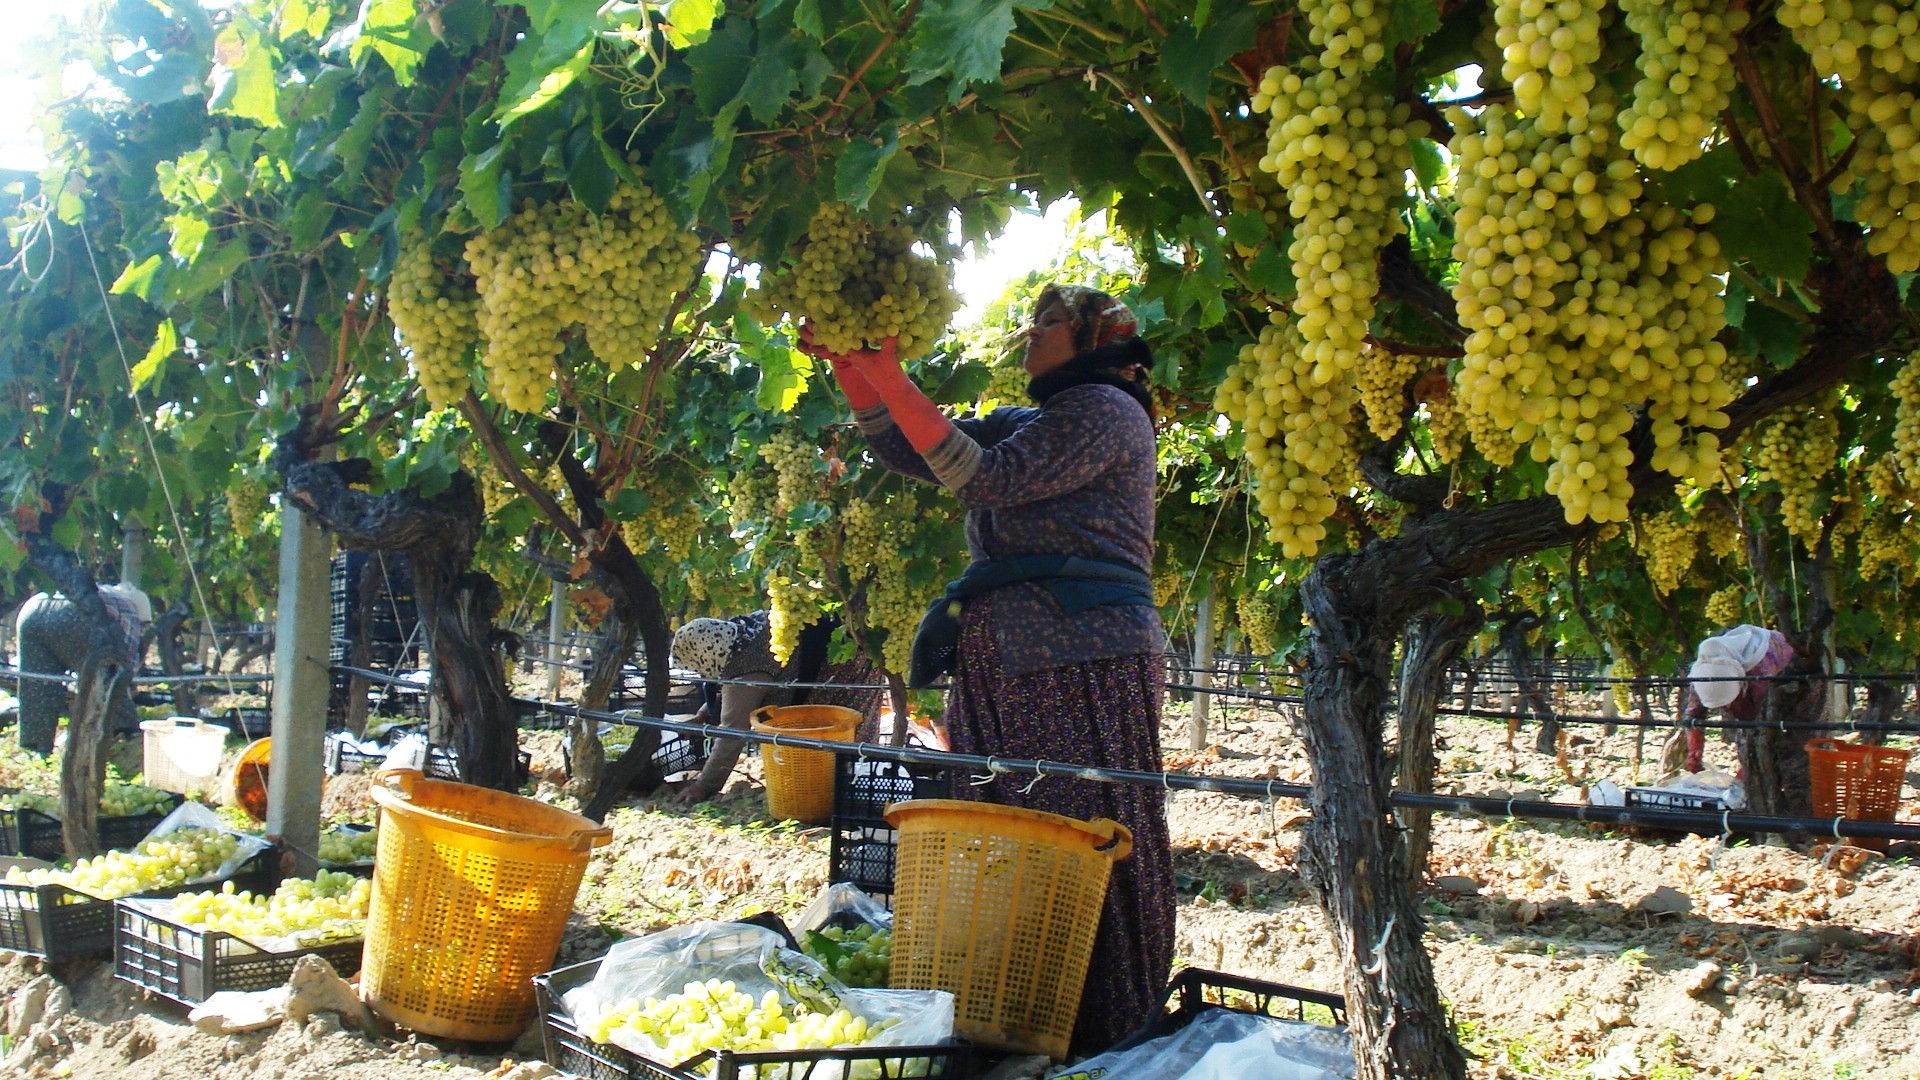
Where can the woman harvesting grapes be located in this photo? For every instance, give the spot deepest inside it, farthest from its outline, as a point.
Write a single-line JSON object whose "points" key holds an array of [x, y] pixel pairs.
{"points": [[1051, 635]]}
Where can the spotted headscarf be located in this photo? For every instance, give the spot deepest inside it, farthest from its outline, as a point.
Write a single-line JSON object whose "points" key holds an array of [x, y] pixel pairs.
{"points": [[705, 646], [1097, 319]]}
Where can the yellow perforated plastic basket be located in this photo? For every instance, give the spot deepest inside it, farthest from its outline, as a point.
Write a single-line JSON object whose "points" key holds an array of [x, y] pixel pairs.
{"points": [[800, 782], [471, 892], [998, 906]]}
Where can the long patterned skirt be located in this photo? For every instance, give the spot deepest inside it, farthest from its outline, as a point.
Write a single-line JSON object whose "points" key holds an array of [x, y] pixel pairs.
{"points": [[1103, 713]]}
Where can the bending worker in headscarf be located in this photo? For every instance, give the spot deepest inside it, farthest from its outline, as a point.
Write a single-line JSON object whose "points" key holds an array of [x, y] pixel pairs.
{"points": [[53, 639], [1053, 641], [1731, 673], [737, 654]]}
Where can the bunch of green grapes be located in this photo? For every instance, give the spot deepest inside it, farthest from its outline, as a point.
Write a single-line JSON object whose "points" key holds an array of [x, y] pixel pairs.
{"points": [[330, 906], [1796, 450], [1258, 621], [1447, 428], [1007, 384], [1383, 377], [246, 501], [862, 956], [1339, 147], [1727, 606], [856, 285], [1349, 34], [1869, 48], [179, 857], [1622, 672], [1905, 389], [435, 312], [1886, 546], [750, 496], [1298, 435], [1686, 77], [116, 800], [339, 847], [717, 1015], [1550, 51], [1669, 542], [1166, 587], [798, 478], [792, 606], [551, 266], [872, 556], [1722, 535], [1584, 308]]}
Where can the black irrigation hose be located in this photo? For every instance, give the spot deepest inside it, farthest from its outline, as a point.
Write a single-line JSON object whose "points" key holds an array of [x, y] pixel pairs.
{"points": [[1726, 823], [142, 680], [1564, 718]]}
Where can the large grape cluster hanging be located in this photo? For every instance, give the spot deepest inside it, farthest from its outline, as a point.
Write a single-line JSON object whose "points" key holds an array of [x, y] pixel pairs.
{"points": [[552, 266], [1586, 309], [1795, 451], [435, 312], [1686, 77], [1338, 144], [1905, 390], [856, 285], [1873, 48]]}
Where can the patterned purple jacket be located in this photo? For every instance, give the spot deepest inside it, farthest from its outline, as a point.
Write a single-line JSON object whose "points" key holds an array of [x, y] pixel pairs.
{"points": [[1075, 477]]}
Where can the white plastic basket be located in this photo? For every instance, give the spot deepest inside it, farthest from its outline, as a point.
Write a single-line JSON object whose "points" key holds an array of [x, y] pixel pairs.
{"points": [[182, 753]]}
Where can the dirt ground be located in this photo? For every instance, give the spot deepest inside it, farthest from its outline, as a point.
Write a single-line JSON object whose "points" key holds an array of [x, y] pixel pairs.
{"points": [[1564, 952]]}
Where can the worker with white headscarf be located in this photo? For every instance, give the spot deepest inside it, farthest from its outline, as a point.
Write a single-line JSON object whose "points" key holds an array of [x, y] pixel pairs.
{"points": [[1731, 672]]}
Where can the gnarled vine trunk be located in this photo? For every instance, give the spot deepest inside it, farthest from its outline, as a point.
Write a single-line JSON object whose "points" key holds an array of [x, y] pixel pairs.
{"points": [[1527, 671], [1434, 641], [457, 605]]}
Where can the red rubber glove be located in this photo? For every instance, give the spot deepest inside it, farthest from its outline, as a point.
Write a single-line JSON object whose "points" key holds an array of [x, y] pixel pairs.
{"points": [[860, 393]]}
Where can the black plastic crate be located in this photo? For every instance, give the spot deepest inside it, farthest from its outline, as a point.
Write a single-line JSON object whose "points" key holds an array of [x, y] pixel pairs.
{"points": [[341, 758], [251, 721], [569, 1050], [861, 848], [1196, 990], [189, 966], [37, 835], [59, 923]]}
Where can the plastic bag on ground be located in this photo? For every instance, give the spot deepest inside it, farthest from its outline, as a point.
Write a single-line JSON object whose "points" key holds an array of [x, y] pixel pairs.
{"points": [[1223, 1044], [845, 906], [192, 815], [755, 960]]}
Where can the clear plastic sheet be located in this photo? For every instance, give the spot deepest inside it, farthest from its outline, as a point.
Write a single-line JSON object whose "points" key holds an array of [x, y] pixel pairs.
{"points": [[755, 960], [1223, 1044]]}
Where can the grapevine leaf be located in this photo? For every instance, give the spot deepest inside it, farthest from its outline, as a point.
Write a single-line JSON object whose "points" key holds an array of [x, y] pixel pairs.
{"points": [[307, 221], [390, 30], [188, 234], [589, 176], [484, 183], [165, 342], [721, 63], [966, 384], [1411, 20], [963, 40], [540, 69], [688, 21], [1191, 56], [783, 377], [1246, 229], [545, 14], [140, 279], [1429, 168], [206, 273], [246, 78], [1271, 272], [862, 163], [772, 78], [806, 16], [1762, 226]]}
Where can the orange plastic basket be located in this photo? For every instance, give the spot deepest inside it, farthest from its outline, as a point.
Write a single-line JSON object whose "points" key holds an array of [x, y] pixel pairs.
{"points": [[471, 892], [1851, 780], [999, 906], [800, 782]]}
